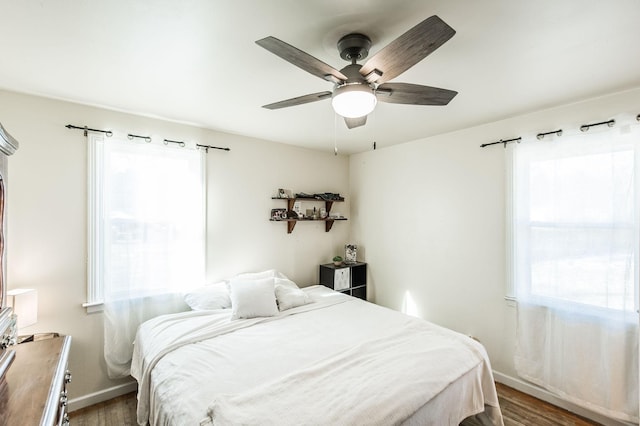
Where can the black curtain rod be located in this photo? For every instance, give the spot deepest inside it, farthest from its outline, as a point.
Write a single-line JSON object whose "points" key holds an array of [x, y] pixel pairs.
{"points": [[505, 142], [86, 129], [147, 139], [586, 127], [206, 147], [541, 136]]}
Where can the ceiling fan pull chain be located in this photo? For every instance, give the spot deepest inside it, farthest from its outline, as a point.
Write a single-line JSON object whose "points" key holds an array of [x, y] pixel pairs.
{"points": [[375, 127], [335, 137]]}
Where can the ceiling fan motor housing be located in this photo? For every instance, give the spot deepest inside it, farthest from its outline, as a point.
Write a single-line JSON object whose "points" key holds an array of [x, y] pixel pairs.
{"points": [[354, 47], [352, 72]]}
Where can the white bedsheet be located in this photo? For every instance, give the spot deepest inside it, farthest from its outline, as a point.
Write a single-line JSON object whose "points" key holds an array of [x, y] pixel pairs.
{"points": [[178, 387]]}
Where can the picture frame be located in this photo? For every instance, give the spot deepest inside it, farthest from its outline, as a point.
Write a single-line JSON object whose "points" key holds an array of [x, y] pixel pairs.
{"points": [[350, 253], [278, 214], [284, 193]]}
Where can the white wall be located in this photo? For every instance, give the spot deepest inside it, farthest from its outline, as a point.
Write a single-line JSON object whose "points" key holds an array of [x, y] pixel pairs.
{"points": [[429, 216], [47, 209]]}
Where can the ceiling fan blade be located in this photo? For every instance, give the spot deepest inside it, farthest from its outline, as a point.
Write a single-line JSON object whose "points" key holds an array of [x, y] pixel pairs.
{"points": [[305, 99], [355, 122], [414, 94], [301, 59], [408, 49]]}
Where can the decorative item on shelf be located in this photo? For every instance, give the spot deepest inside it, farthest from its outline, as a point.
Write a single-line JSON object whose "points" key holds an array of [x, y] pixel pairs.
{"points": [[328, 196], [323, 213], [284, 193], [291, 214], [337, 260], [350, 253], [311, 214], [278, 214], [297, 207]]}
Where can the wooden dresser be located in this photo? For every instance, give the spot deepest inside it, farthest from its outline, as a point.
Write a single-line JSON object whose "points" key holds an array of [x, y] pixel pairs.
{"points": [[37, 383]]}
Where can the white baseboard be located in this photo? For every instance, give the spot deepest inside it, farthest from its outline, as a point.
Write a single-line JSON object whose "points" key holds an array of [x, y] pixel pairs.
{"points": [[101, 396], [547, 396]]}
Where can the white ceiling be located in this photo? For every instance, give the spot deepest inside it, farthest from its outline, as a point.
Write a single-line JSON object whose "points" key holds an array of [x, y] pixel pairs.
{"points": [[195, 61]]}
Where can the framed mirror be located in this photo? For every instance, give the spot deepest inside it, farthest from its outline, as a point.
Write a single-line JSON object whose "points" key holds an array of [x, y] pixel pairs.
{"points": [[8, 146]]}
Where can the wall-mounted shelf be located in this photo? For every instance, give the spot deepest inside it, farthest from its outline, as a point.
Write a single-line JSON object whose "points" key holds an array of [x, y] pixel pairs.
{"points": [[291, 223]]}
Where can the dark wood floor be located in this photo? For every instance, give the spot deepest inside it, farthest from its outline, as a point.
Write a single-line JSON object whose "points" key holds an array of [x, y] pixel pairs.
{"points": [[518, 409], [120, 411], [521, 409]]}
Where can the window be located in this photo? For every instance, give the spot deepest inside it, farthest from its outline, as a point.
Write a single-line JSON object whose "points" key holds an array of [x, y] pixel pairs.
{"points": [[576, 202], [576, 222], [146, 219]]}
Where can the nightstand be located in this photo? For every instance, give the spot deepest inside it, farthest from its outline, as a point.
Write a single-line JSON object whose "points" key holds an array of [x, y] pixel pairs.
{"points": [[349, 279]]}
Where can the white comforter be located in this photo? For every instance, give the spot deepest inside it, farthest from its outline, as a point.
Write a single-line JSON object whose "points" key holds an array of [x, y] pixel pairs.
{"points": [[336, 361]]}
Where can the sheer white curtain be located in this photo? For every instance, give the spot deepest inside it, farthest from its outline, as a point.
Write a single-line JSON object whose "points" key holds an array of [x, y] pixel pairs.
{"points": [[576, 250], [151, 228]]}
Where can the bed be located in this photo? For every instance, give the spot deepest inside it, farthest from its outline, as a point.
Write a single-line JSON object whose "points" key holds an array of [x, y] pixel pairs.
{"points": [[321, 358]]}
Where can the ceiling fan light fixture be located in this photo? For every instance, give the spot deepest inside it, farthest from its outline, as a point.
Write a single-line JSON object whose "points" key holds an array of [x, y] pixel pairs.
{"points": [[353, 100]]}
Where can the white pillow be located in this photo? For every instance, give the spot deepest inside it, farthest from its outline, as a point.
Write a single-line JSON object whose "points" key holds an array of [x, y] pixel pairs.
{"points": [[285, 282], [271, 273], [290, 297], [255, 298], [214, 296]]}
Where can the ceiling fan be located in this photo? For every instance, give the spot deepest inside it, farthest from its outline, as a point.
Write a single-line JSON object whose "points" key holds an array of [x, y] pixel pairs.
{"points": [[358, 88]]}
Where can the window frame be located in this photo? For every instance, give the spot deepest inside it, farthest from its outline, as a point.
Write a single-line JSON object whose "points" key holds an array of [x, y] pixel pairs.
{"points": [[95, 212], [513, 230], [95, 209]]}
